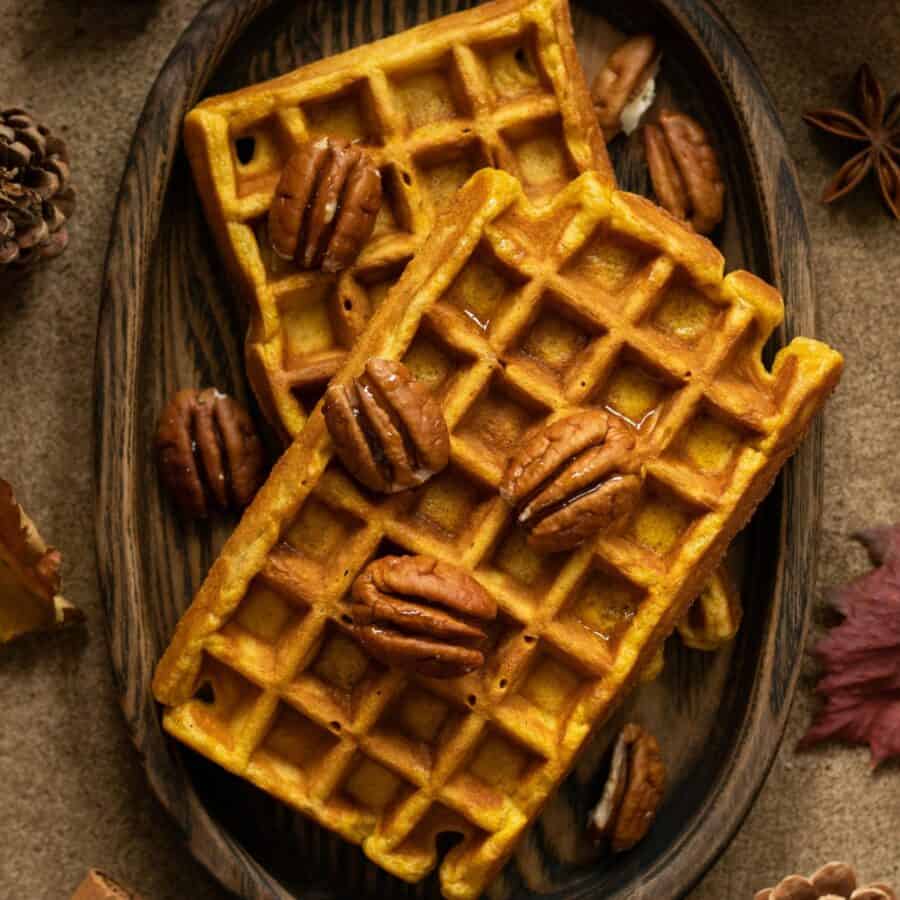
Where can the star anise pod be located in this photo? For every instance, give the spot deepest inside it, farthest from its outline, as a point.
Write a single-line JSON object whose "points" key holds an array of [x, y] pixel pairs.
{"points": [[877, 127]]}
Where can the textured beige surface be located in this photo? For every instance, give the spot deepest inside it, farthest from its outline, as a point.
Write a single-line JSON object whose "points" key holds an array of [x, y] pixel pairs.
{"points": [[71, 790]]}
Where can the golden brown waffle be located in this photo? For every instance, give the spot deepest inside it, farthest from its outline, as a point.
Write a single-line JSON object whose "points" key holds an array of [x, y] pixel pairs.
{"points": [[499, 85], [715, 616], [711, 622], [598, 299]]}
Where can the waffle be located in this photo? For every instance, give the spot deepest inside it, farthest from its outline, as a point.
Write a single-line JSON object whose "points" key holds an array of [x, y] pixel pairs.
{"points": [[497, 85], [715, 616], [605, 300]]}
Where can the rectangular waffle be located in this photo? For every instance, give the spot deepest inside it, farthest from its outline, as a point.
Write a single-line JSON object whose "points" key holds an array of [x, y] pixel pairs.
{"points": [[499, 85], [598, 299]]}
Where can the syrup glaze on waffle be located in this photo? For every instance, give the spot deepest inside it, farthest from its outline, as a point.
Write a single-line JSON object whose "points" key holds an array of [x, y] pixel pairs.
{"points": [[499, 85], [598, 299]]}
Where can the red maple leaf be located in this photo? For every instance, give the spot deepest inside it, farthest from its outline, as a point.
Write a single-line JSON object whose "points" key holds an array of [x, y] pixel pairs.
{"points": [[861, 655]]}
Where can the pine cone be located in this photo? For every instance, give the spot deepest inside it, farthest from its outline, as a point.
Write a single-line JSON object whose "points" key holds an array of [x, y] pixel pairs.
{"points": [[834, 881], [35, 197]]}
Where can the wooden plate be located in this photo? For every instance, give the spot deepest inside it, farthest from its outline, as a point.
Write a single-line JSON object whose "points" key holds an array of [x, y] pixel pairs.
{"points": [[169, 320]]}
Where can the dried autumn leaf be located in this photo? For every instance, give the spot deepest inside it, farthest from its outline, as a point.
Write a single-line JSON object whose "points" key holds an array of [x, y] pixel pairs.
{"points": [[99, 886], [29, 575], [861, 655]]}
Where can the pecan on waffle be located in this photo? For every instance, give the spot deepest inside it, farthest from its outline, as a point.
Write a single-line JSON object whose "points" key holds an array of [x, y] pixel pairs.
{"points": [[499, 85], [604, 302]]}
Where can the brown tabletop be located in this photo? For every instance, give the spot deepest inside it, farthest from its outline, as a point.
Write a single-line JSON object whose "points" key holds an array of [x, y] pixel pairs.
{"points": [[72, 792]]}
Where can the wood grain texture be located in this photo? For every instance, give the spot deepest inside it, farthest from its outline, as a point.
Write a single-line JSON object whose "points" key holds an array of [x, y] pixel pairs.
{"points": [[169, 320]]}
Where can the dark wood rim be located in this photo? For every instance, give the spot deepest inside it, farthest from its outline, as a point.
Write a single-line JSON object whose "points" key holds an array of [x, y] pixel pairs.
{"points": [[117, 481]]}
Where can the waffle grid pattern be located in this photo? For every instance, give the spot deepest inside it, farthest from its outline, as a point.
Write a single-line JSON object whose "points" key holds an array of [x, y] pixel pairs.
{"points": [[499, 85], [604, 301]]}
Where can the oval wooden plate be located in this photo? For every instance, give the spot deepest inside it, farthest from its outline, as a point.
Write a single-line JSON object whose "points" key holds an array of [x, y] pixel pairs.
{"points": [[169, 320]]}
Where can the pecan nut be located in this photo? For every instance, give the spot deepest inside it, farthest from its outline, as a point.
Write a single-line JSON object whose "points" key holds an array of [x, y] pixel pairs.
{"points": [[633, 790], [572, 479], [624, 87], [325, 205], [714, 617], [684, 170], [387, 427], [208, 452], [417, 613]]}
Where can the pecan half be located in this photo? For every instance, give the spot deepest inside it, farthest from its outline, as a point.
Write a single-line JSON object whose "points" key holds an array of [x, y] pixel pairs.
{"points": [[208, 452], [417, 613], [325, 205], [387, 427], [714, 617], [572, 479], [625, 80], [685, 171], [633, 790]]}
